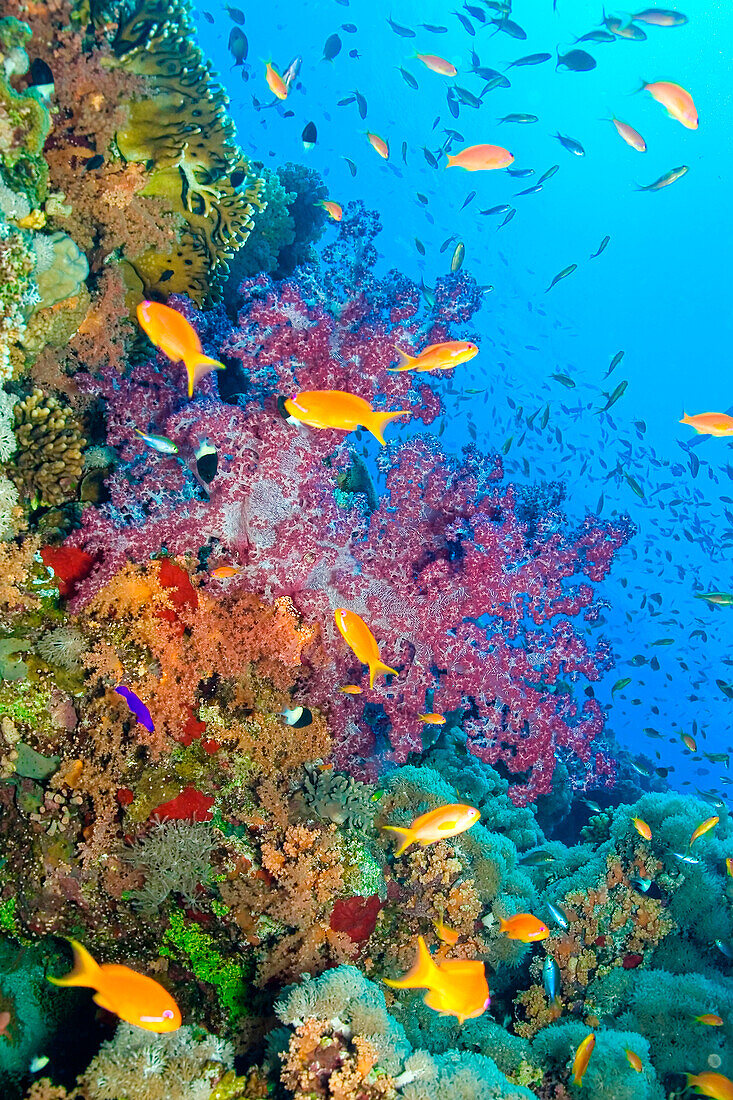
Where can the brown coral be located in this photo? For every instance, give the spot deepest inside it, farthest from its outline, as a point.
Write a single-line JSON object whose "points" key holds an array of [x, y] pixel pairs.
{"points": [[48, 462], [321, 1062]]}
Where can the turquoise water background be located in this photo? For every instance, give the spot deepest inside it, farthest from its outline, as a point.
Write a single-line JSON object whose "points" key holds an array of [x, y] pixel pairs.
{"points": [[659, 292]]}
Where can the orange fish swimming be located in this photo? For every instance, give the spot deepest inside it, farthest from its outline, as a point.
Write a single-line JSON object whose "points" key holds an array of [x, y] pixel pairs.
{"points": [[332, 209], [712, 423], [175, 337], [631, 136], [436, 825], [711, 1019], [582, 1058], [634, 1060], [642, 828], [445, 934], [445, 356], [689, 742], [275, 82], [362, 642], [703, 827], [350, 689], [133, 997], [437, 64], [379, 145], [524, 927], [432, 719], [340, 410], [481, 158], [714, 1085], [679, 103], [223, 572], [456, 987]]}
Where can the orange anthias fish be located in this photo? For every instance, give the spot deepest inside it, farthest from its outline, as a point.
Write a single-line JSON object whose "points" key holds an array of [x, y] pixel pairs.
{"points": [[379, 145], [678, 102], [332, 209], [703, 827], [456, 987], [437, 64], [711, 1019], [642, 828], [689, 742], [443, 356], [223, 572], [445, 934], [715, 1085], [631, 136], [133, 997], [634, 1060], [432, 719], [350, 689], [436, 825], [175, 337], [340, 410], [361, 642], [481, 158], [524, 927], [275, 82], [582, 1058], [712, 423]]}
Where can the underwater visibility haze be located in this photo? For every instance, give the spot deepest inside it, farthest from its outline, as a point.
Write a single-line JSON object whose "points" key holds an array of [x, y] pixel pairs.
{"points": [[366, 527]]}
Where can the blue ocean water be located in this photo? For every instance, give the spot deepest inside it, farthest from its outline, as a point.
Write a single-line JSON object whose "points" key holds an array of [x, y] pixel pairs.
{"points": [[658, 292]]}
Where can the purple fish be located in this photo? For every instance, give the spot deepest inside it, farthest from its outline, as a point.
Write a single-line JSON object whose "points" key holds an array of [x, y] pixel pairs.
{"points": [[137, 707]]}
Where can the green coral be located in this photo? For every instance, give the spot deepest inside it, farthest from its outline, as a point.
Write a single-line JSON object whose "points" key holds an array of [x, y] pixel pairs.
{"points": [[188, 943], [25, 122]]}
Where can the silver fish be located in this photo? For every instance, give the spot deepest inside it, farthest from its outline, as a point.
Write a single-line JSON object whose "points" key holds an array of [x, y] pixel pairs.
{"points": [[558, 916], [159, 443], [551, 978]]}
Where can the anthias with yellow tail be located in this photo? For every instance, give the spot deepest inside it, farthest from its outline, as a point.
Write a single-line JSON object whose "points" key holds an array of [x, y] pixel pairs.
{"points": [[171, 333], [439, 824], [362, 642], [341, 410]]}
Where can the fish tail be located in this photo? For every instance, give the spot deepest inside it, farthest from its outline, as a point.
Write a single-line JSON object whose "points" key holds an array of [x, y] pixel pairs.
{"points": [[380, 420], [503, 924], [197, 365], [406, 361], [378, 668], [422, 972], [407, 837], [85, 970]]}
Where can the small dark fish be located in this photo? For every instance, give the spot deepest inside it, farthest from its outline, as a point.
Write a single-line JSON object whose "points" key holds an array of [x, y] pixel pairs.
{"points": [[562, 275], [530, 190], [453, 106], [40, 75], [601, 248], [419, 246], [422, 198], [350, 28], [672, 176], [465, 23], [641, 884], [597, 36], [476, 13], [332, 47], [345, 102], [564, 381], [661, 17], [137, 707], [469, 198], [433, 29], [355, 54], [403, 32], [93, 162], [509, 27], [615, 396], [409, 79], [458, 257], [466, 97], [208, 17], [430, 158], [576, 61], [361, 105], [636, 488], [520, 173], [309, 135], [235, 14], [238, 45], [447, 244], [207, 461], [519, 118], [404, 152], [614, 363], [571, 145], [530, 59], [510, 214], [297, 717], [549, 173], [352, 166], [502, 209]]}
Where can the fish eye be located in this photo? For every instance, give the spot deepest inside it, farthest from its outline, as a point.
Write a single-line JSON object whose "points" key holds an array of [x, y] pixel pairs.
{"points": [[167, 1014]]}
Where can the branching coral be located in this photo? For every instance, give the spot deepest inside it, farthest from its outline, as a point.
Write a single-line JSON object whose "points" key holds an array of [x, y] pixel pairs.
{"points": [[48, 462], [174, 858]]}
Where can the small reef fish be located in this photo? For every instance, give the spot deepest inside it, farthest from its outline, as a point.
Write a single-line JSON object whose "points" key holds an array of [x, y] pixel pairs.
{"points": [[332, 209], [362, 643], [446, 821], [711, 1019], [309, 135], [481, 158], [38, 1063], [133, 997], [576, 61], [679, 103], [297, 717], [379, 145], [443, 356], [551, 978], [524, 927], [171, 333], [729, 866], [660, 17], [340, 410], [432, 719], [716, 1086], [456, 987], [445, 934], [601, 248], [631, 136], [642, 828], [4, 1022], [437, 64], [350, 689], [571, 145], [668, 178], [137, 707], [582, 1058], [562, 275], [689, 742], [710, 423], [557, 915], [634, 1060], [703, 827], [159, 443], [224, 572], [721, 599], [275, 82]]}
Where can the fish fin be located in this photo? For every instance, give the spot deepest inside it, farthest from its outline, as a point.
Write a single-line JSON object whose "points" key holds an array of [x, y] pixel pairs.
{"points": [[101, 1000], [378, 668], [422, 973], [379, 421], [503, 924], [198, 365], [446, 826], [407, 362], [407, 837], [85, 970]]}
